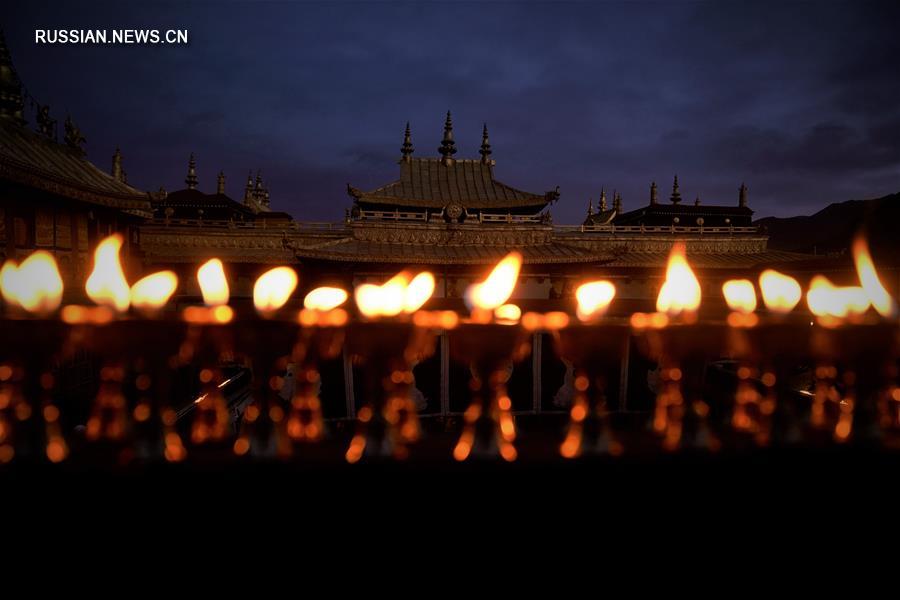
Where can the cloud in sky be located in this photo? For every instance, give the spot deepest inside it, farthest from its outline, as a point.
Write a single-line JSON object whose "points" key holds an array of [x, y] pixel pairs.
{"points": [[797, 99]]}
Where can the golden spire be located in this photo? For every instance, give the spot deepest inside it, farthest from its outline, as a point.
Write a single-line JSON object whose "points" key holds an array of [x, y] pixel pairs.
{"points": [[448, 146], [407, 149], [676, 195], [191, 179], [485, 151]]}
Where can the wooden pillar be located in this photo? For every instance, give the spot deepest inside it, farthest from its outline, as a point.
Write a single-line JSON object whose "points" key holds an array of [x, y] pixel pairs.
{"points": [[536, 372], [348, 385]]}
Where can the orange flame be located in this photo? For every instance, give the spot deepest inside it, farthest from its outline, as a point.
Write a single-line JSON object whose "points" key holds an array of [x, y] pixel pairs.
{"points": [[35, 285], [325, 298], [681, 291], [876, 293], [153, 291], [213, 285], [400, 294], [828, 300], [273, 289], [107, 285], [780, 292], [419, 290], [499, 285], [740, 295], [508, 312], [594, 298]]}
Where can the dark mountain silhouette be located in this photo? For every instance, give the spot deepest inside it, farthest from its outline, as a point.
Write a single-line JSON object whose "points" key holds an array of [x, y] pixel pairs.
{"points": [[832, 229]]}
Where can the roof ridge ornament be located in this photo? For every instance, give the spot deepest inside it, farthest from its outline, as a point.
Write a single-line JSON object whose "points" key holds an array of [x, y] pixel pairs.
{"points": [[676, 195], [654, 197], [407, 149], [485, 151], [742, 195], [220, 183], [12, 102], [117, 171], [191, 179], [248, 190], [602, 199], [617, 202], [590, 207], [74, 138], [448, 146]]}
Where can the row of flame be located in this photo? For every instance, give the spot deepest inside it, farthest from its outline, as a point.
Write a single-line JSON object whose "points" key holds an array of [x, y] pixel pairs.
{"points": [[36, 286]]}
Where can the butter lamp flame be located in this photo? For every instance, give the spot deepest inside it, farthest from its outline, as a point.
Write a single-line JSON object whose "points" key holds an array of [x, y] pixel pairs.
{"points": [[106, 284], [35, 285], [213, 284], [780, 292], [496, 289], [875, 291], [325, 298], [153, 291], [594, 299], [680, 291], [273, 289], [828, 300], [740, 295]]}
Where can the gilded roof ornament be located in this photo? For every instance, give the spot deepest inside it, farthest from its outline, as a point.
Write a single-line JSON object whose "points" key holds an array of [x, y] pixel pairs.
{"points": [[191, 179], [485, 151], [676, 195], [448, 147], [74, 138], [407, 149]]}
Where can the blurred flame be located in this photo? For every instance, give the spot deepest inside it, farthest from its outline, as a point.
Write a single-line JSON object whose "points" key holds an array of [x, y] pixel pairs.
{"points": [[35, 285], [740, 295], [828, 300], [213, 285], [399, 294], [868, 277], [780, 292], [273, 289], [153, 291], [594, 298], [107, 285], [681, 291], [499, 285], [508, 312], [418, 291], [325, 298]]}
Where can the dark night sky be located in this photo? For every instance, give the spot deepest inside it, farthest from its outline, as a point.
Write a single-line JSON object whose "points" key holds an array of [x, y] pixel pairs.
{"points": [[800, 100]]}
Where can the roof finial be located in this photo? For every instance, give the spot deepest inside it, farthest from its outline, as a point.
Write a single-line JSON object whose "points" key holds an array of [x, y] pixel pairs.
{"points": [[117, 171], [590, 207], [248, 190], [697, 201], [485, 151], [617, 203], [220, 183], [676, 195], [742, 195], [191, 179], [654, 198], [602, 199], [407, 149], [448, 146], [11, 101]]}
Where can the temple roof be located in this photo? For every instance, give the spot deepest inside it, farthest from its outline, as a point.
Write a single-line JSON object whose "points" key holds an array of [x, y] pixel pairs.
{"points": [[364, 251], [430, 183], [688, 210], [36, 161]]}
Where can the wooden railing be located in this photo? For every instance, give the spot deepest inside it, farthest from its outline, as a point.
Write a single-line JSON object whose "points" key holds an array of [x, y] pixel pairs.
{"points": [[571, 229], [314, 226]]}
